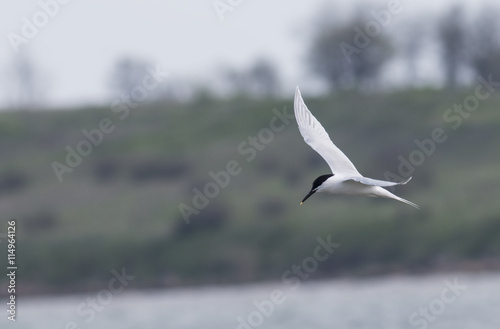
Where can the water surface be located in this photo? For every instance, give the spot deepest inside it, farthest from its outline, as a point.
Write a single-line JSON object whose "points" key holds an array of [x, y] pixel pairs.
{"points": [[382, 303]]}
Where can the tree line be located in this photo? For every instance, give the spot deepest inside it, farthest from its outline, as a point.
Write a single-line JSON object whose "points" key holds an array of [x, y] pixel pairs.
{"points": [[350, 53], [354, 53]]}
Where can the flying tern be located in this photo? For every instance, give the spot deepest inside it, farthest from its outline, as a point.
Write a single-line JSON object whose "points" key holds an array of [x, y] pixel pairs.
{"points": [[345, 178]]}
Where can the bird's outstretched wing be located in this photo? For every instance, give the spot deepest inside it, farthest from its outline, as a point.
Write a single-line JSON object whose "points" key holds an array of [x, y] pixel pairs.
{"points": [[375, 182], [381, 183], [316, 136]]}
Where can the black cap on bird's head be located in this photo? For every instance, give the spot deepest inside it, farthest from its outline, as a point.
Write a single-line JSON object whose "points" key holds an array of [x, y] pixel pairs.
{"points": [[316, 184]]}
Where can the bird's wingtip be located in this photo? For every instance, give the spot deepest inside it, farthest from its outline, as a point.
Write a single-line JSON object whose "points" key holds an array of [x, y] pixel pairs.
{"points": [[297, 90]]}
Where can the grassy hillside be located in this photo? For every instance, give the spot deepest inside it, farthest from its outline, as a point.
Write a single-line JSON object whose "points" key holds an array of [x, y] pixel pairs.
{"points": [[119, 207]]}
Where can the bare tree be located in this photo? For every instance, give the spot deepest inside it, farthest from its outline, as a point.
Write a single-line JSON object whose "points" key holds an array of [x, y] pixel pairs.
{"points": [[411, 38], [452, 39], [264, 78], [25, 89], [235, 81], [485, 43], [259, 80], [368, 63], [327, 60], [336, 55], [127, 74]]}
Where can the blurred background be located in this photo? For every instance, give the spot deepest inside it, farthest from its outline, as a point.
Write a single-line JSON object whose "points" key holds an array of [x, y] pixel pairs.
{"points": [[152, 162]]}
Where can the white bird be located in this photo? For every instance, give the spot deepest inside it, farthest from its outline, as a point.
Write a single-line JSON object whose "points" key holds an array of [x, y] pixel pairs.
{"points": [[345, 179]]}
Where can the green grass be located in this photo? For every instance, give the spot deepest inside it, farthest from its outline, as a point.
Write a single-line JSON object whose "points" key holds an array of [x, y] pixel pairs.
{"points": [[255, 229]]}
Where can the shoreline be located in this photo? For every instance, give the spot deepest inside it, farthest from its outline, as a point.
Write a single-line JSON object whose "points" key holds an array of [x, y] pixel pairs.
{"points": [[370, 272]]}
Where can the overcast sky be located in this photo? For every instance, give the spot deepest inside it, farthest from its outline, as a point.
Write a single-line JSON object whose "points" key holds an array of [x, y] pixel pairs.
{"points": [[78, 47]]}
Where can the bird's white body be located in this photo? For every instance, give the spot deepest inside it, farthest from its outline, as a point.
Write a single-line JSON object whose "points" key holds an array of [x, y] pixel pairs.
{"points": [[345, 178], [338, 184]]}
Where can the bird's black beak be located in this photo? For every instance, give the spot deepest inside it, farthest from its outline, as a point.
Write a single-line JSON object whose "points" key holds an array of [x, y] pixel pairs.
{"points": [[308, 195]]}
